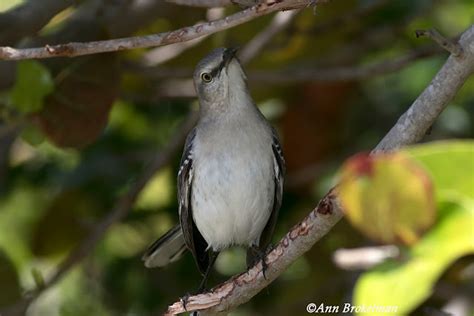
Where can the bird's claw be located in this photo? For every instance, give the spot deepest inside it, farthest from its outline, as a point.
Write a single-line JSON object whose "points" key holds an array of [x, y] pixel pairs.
{"points": [[184, 300]]}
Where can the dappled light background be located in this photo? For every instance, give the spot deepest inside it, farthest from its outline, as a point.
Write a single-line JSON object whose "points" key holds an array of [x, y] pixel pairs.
{"points": [[332, 81]]}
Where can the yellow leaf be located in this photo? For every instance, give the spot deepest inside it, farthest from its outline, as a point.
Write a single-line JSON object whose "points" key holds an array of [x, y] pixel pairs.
{"points": [[388, 197]]}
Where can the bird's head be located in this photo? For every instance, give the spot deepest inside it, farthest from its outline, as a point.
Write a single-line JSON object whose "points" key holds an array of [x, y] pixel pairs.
{"points": [[219, 77]]}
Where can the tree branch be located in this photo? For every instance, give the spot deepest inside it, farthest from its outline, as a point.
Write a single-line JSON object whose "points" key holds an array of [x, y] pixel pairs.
{"points": [[179, 35], [305, 74], [119, 18], [176, 87], [453, 48], [409, 129], [280, 21], [202, 3], [163, 54], [243, 287], [414, 123]]}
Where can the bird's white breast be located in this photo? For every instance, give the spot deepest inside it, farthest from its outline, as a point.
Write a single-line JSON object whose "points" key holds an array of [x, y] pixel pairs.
{"points": [[233, 186]]}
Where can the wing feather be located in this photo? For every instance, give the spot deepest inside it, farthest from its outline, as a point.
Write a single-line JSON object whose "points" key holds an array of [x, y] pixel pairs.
{"points": [[193, 238], [279, 174]]}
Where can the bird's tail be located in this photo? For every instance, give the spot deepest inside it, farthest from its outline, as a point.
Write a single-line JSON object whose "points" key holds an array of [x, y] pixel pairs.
{"points": [[168, 248]]}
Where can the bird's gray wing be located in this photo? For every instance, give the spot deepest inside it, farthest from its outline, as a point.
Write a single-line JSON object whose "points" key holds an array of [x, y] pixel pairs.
{"points": [[279, 174], [167, 249], [192, 237]]}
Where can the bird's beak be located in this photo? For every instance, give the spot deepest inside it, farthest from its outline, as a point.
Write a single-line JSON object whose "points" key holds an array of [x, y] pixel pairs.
{"points": [[229, 54]]}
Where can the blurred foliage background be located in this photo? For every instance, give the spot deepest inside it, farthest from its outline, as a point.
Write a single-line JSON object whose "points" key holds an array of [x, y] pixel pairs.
{"points": [[76, 134]]}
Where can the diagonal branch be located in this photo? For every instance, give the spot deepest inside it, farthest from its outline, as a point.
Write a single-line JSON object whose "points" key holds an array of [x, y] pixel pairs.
{"points": [[294, 244], [414, 123], [410, 128], [280, 21], [179, 35]]}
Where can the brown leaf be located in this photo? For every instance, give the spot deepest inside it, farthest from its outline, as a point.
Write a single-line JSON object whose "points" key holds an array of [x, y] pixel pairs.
{"points": [[77, 112]]}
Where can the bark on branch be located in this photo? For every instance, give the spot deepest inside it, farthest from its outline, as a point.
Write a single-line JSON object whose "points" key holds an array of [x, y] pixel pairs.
{"points": [[414, 123], [202, 3], [410, 128], [179, 35]]}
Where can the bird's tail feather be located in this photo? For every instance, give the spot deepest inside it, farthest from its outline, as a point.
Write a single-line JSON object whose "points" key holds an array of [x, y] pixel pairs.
{"points": [[168, 248]]}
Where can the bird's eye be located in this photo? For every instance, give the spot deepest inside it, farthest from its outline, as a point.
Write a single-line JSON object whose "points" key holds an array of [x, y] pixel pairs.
{"points": [[206, 77]]}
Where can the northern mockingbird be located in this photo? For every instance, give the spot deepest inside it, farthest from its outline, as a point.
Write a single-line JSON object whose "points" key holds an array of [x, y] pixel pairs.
{"points": [[230, 181]]}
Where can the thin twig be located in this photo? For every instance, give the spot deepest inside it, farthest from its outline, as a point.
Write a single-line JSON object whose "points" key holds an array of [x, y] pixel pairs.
{"points": [[430, 104], [304, 73], [409, 129], [179, 35], [359, 72], [175, 87], [280, 21], [341, 21], [452, 47]]}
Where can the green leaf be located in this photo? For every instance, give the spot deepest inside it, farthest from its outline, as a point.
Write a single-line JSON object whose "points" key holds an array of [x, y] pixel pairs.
{"points": [[38, 278], [33, 84], [407, 284], [388, 197], [32, 135], [158, 192], [451, 164]]}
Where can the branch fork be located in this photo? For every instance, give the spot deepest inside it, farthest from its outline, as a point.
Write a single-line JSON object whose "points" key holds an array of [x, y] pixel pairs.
{"points": [[452, 47]]}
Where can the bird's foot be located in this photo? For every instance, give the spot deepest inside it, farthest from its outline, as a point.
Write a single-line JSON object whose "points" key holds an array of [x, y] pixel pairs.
{"points": [[201, 290], [260, 255], [267, 250], [264, 268], [184, 300], [202, 286]]}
